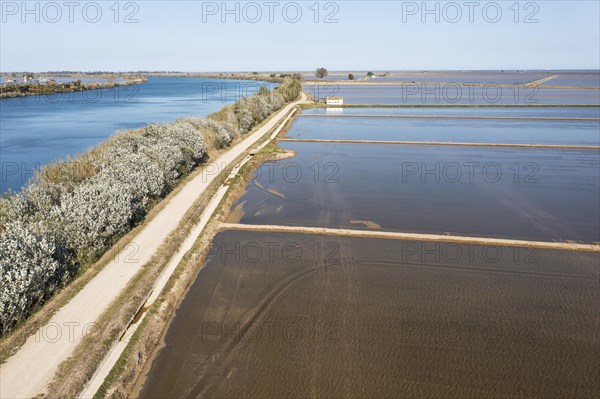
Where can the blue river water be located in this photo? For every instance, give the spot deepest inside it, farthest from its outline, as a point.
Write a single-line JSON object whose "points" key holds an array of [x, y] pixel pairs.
{"points": [[36, 130]]}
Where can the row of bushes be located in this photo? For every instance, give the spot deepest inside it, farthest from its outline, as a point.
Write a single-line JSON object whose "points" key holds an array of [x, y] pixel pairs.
{"points": [[72, 211]]}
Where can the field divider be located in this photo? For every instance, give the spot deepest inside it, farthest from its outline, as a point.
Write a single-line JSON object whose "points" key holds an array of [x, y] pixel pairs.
{"points": [[445, 143], [389, 235], [540, 81]]}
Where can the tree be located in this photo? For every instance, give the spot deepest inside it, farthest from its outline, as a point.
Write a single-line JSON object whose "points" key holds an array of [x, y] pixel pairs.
{"points": [[350, 76], [370, 74], [321, 73]]}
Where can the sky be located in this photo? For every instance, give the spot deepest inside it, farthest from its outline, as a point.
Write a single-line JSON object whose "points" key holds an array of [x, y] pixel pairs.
{"points": [[298, 36]]}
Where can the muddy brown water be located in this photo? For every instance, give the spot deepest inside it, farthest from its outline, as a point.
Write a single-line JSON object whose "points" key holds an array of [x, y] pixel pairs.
{"points": [[289, 316]]}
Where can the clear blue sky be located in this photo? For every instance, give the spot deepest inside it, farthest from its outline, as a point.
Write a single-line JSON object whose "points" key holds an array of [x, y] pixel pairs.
{"points": [[384, 35]]}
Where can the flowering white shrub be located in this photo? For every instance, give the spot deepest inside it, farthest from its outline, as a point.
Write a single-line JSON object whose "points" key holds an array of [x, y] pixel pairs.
{"points": [[223, 131], [139, 176], [30, 270], [277, 101], [13, 208], [94, 215], [71, 212], [244, 116], [32, 204], [260, 107]]}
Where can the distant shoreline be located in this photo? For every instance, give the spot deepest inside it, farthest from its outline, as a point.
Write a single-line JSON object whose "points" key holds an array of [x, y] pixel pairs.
{"points": [[14, 90], [263, 77]]}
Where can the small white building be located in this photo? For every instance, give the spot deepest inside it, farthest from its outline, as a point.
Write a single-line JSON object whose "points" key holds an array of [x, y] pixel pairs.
{"points": [[334, 100]]}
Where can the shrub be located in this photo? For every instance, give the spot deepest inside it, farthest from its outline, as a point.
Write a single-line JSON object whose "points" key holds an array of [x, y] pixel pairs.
{"points": [[224, 132], [94, 215], [31, 268], [245, 120]]}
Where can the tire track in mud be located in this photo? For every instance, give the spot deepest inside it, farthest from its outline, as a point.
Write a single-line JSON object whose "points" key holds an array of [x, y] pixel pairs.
{"points": [[203, 386]]}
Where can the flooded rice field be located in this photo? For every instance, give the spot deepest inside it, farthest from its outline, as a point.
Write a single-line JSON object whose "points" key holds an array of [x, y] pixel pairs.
{"points": [[303, 314], [532, 194], [512, 112], [451, 94], [447, 130], [288, 316], [588, 78], [483, 77], [581, 78]]}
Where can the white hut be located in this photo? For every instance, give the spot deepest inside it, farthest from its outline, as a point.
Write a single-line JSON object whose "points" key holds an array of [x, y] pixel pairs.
{"points": [[334, 100]]}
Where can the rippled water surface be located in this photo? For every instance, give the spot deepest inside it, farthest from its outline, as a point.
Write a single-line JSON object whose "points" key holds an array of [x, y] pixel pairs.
{"points": [[504, 131], [531, 194]]}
